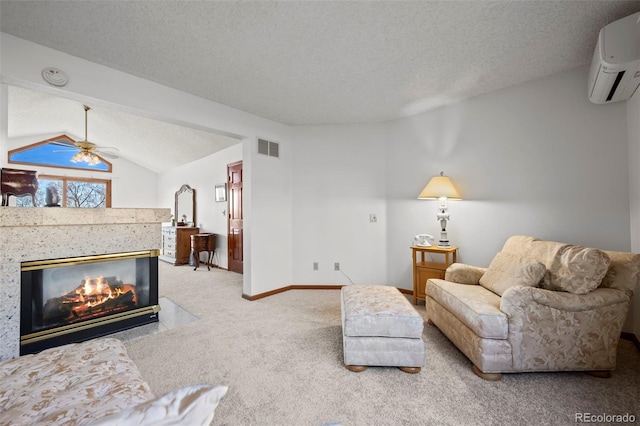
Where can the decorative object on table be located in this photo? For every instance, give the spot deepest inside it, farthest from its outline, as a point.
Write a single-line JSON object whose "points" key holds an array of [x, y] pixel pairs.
{"points": [[441, 188], [221, 192], [423, 240], [52, 197]]}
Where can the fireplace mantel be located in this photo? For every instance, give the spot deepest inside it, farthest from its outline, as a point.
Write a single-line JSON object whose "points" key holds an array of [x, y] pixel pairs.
{"points": [[37, 233]]}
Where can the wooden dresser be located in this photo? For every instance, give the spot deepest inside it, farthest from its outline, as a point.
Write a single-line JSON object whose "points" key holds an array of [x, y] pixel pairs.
{"points": [[176, 244]]}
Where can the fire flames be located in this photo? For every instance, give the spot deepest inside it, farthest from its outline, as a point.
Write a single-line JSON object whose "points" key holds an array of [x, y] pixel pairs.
{"points": [[97, 295], [96, 292], [93, 298]]}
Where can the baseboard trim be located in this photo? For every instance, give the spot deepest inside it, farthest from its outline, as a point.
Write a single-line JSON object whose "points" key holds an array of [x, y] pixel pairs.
{"points": [[304, 287], [214, 266], [266, 294], [632, 337], [291, 287]]}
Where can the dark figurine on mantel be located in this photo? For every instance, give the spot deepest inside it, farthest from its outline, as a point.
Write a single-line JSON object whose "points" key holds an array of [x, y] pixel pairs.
{"points": [[52, 198]]}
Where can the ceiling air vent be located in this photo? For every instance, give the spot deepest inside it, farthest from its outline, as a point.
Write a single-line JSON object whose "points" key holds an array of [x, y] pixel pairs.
{"points": [[265, 147]]}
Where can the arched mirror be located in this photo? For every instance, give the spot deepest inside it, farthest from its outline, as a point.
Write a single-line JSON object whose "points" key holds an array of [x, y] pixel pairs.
{"points": [[185, 211]]}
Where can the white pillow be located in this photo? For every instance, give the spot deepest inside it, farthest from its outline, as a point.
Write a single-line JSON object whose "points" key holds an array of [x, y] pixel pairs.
{"points": [[190, 405], [508, 270]]}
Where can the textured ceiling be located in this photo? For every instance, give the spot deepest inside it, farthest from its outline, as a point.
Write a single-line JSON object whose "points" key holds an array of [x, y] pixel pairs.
{"points": [[320, 62], [153, 144]]}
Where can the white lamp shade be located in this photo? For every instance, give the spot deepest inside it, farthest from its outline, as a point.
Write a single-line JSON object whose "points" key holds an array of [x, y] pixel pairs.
{"points": [[440, 186]]}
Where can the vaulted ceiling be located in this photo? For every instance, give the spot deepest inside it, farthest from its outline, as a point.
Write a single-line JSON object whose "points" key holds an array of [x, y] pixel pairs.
{"points": [[156, 145], [323, 62]]}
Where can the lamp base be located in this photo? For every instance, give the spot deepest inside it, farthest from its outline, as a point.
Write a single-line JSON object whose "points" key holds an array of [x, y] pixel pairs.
{"points": [[444, 239]]}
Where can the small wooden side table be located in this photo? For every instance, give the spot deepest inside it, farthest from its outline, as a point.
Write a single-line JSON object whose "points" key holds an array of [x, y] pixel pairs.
{"points": [[423, 270], [203, 242]]}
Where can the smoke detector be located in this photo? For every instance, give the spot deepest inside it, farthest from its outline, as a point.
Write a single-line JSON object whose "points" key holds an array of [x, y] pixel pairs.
{"points": [[55, 77]]}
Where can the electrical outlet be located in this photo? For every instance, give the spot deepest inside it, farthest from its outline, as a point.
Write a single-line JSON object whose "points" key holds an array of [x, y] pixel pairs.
{"points": [[315, 266], [336, 266], [373, 218]]}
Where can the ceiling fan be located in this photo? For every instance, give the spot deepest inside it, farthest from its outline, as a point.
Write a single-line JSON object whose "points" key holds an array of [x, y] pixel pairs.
{"points": [[88, 152]]}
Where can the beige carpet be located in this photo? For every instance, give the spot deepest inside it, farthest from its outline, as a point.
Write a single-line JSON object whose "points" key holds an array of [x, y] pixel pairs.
{"points": [[282, 359]]}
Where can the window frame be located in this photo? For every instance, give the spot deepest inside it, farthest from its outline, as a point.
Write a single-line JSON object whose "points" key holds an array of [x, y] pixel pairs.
{"points": [[65, 179], [55, 139]]}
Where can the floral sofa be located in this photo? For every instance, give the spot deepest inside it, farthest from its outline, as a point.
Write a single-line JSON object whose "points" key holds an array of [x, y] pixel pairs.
{"points": [[539, 306], [94, 383]]}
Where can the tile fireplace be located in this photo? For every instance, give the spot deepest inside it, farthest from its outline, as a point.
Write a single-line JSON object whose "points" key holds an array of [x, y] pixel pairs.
{"points": [[79, 298], [31, 234]]}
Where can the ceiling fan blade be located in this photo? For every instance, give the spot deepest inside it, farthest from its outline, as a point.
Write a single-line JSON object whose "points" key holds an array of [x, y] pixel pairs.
{"points": [[66, 150], [107, 147], [106, 154], [64, 143]]}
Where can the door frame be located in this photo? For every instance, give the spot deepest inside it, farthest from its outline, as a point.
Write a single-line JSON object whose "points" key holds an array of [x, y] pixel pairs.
{"points": [[232, 265]]}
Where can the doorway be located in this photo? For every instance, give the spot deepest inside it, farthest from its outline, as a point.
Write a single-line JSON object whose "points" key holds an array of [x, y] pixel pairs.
{"points": [[234, 218]]}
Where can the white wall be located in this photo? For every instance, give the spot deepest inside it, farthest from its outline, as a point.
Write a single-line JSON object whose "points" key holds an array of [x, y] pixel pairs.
{"points": [[338, 181], [633, 126], [270, 223], [203, 175], [131, 184], [536, 159], [267, 207]]}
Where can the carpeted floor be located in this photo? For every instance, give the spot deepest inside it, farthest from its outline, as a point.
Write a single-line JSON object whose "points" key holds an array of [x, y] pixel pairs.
{"points": [[282, 359]]}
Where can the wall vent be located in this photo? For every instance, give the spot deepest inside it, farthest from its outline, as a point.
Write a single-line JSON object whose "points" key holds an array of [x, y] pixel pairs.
{"points": [[265, 147]]}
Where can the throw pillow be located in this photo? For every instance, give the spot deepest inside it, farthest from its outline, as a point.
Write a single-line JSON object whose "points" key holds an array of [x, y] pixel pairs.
{"points": [[508, 270], [577, 270], [190, 405], [623, 272]]}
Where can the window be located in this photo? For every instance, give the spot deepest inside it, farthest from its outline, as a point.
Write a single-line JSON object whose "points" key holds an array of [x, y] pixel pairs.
{"points": [[71, 191], [55, 152]]}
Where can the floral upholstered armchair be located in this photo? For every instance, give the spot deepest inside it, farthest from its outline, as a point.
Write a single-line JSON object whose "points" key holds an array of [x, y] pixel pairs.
{"points": [[539, 306]]}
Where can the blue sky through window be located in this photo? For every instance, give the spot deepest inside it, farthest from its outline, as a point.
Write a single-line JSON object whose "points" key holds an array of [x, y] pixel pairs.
{"points": [[53, 154]]}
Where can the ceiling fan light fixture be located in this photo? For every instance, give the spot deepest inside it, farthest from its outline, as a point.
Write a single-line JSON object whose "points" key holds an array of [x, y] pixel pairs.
{"points": [[86, 157]]}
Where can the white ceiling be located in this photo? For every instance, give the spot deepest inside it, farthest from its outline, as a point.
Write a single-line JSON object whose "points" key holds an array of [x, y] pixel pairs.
{"points": [[317, 62]]}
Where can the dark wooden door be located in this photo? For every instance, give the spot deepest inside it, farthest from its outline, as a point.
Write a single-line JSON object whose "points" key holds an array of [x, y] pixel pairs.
{"points": [[234, 219]]}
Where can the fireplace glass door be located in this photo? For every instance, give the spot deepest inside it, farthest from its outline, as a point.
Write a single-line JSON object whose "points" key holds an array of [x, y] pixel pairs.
{"points": [[68, 296]]}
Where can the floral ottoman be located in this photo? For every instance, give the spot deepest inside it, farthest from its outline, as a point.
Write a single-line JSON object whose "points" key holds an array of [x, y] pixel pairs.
{"points": [[380, 327]]}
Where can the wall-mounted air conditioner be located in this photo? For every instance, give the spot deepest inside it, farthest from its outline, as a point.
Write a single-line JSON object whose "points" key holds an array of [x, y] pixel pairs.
{"points": [[615, 68]]}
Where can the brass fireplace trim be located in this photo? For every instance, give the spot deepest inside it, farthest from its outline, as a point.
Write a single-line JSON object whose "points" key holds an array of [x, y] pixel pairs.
{"points": [[71, 328], [73, 261]]}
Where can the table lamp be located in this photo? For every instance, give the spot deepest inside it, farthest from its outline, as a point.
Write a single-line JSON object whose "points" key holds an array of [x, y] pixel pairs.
{"points": [[441, 188]]}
